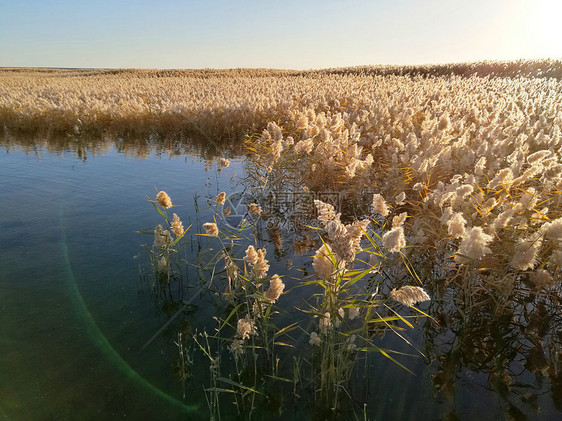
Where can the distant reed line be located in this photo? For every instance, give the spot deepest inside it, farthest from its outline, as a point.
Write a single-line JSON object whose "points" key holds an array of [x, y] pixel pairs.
{"points": [[229, 104]]}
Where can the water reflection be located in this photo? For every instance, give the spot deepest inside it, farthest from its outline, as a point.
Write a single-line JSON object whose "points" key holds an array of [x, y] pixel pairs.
{"points": [[133, 147], [504, 328], [73, 324]]}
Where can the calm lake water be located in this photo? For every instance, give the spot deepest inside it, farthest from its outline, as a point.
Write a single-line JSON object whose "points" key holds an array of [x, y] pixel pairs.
{"points": [[81, 333]]}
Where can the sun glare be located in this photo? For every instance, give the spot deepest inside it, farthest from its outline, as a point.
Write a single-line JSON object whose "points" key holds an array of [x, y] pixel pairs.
{"points": [[539, 29]]}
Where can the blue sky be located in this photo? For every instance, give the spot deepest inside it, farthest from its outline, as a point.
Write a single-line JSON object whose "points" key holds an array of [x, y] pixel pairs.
{"points": [[274, 34]]}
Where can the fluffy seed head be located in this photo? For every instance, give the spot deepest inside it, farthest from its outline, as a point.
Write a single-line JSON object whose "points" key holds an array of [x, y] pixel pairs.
{"points": [[177, 226], [456, 225], [276, 287], [315, 339], [525, 252], [246, 327], [162, 237], [254, 209], [322, 263], [223, 163], [352, 312], [473, 245], [236, 347], [394, 239], [211, 229], [379, 205], [553, 230], [409, 295], [251, 256], [164, 200], [325, 323], [220, 198], [398, 221]]}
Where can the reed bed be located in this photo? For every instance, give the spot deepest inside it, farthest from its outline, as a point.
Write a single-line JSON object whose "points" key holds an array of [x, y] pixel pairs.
{"points": [[470, 167], [218, 104], [258, 346], [448, 182]]}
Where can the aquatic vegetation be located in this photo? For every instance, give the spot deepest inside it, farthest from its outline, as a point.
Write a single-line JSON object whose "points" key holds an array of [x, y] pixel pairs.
{"points": [[211, 229], [163, 200], [177, 226], [465, 191], [165, 246], [487, 167], [409, 295], [341, 319], [220, 198]]}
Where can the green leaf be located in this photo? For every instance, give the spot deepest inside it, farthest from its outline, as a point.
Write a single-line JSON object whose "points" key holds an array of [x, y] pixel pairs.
{"points": [[385, 353], [286, 329], [160, 211], [283, 344], [234, 310]]}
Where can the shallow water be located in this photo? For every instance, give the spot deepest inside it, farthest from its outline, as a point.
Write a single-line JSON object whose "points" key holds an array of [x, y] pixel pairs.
{"points": [[78, 321], [73, 317]]}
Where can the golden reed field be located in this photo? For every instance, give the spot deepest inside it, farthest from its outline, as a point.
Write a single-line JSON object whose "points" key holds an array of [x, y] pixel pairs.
{"points": [[470, 153]]}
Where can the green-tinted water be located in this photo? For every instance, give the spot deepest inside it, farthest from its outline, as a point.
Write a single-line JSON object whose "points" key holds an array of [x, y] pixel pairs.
{"points": [[73, 318]]}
